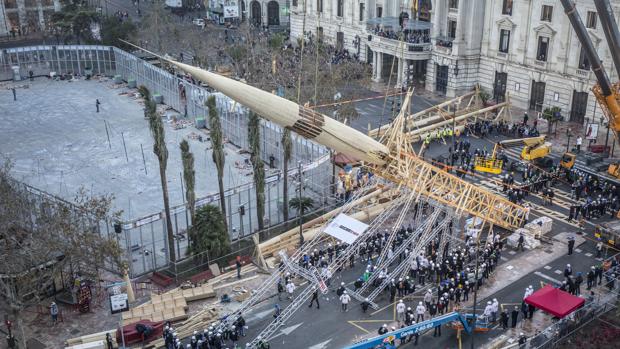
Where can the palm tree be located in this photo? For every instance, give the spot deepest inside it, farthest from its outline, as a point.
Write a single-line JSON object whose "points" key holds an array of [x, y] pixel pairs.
{"points": [[161, 151], [259, 169], [189, 175], [287, 149], [209, 233], [301, 204], [217, 141]]}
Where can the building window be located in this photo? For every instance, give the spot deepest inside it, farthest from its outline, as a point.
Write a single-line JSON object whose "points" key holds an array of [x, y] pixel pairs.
{"points": [[362, 10], [294, 3], [507, 7], [452, 29], [543, 48], [584, 62], [591, 20], [546, 13], [454, 4], [319, 6], [504, 40], [340, 9], [379, 11]]}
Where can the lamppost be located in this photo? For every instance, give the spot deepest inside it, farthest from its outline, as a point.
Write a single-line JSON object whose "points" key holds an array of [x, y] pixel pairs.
{"points": [[568, 134], [453, 130]]}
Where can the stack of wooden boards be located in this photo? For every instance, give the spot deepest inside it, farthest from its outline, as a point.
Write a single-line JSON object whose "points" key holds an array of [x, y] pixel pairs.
{"points": [[169, 306], [91, 341]]}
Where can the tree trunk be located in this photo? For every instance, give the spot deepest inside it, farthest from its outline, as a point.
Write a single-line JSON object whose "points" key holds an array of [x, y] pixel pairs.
{"points": [[260, 209], [333, 179], [164, 189], [285, 189], [220, 183]]}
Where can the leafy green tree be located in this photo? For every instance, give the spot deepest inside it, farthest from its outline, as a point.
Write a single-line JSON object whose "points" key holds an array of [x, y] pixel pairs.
{"points": [[287, 150], [74, 20], [276, 41], [259, 168], [160, 150], [189, 175], [144, 91], [209, 233], [113, 31], [219, 157], [301, 204]]}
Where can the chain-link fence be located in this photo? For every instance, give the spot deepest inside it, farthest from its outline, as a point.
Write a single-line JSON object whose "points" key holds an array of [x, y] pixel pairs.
{"points": [[144, 238]]}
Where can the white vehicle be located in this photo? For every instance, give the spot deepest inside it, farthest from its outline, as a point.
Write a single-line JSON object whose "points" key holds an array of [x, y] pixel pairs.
{"points": [[199, 22], [174, 3]]}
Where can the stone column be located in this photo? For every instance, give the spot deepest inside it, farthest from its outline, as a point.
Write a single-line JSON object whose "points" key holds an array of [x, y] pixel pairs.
{"points": [[399, 76], [379, 62], [374, 64]]}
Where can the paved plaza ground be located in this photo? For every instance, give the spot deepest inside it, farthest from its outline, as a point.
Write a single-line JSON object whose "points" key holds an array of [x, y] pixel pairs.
{"points": [[58, 143]]}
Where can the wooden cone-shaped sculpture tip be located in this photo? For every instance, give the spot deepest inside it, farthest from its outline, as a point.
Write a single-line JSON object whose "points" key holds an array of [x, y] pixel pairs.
{"points": [[302, 120]]}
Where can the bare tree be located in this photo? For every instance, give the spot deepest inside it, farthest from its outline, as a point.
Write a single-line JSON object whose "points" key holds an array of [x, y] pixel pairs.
{"points": [[42, 236]]}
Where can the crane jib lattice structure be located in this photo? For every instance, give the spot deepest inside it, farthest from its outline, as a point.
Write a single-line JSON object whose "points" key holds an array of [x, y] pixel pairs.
{"points": [[390, 157], [381, 157]]}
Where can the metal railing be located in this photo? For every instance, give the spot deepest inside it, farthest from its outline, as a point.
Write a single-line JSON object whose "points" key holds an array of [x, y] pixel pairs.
{"points": [[144, 238]]}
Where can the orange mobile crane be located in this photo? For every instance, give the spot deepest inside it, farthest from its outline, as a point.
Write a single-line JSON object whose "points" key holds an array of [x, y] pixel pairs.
{"points": [[606, 93]]}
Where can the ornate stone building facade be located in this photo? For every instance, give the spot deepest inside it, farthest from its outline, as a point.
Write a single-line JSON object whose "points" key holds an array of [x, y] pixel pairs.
{"points": [[526, 48]]}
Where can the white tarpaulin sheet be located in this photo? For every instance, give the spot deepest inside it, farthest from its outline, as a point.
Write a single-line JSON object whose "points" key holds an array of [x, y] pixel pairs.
{"points": [[345, 228]]}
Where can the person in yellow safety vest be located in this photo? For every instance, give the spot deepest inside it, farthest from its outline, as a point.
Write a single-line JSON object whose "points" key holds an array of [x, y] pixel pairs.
{"points": [[457, 132], [445, 132], [438, 135], [427, 140], [450, 132]]}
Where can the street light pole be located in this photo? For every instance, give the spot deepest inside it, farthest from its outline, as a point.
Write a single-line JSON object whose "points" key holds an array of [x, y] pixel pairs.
{"points": [[453, 130], [568, 134]]}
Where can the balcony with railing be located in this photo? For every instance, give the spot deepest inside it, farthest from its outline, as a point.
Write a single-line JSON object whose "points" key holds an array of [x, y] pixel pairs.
{"points": [[414, 47], [444, 44]]}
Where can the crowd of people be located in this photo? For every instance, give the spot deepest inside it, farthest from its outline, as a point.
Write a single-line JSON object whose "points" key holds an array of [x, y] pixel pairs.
{"points": [[409, 36], [600, 197], [445, 275]]}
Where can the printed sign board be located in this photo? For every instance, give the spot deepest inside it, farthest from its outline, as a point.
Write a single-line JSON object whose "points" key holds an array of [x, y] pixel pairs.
{"points": [[231, 11], [119, 303], [592, 131], [346, 229]]}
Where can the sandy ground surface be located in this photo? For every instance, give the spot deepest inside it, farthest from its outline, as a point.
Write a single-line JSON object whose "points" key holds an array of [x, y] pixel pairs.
{"points": [[59, 143]]}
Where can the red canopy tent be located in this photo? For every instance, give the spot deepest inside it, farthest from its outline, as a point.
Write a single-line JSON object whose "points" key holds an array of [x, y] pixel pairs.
{"points": [[555, 301]]}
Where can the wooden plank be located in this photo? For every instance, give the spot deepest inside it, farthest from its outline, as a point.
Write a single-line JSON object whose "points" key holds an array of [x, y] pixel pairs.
{"points": [[90, 337], [235, 282]]}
